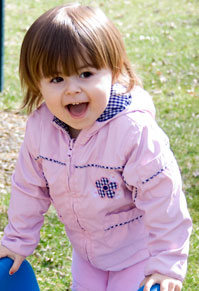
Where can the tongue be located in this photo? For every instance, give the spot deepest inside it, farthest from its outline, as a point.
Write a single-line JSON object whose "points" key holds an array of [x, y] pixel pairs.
{"points": [[78, 109]]}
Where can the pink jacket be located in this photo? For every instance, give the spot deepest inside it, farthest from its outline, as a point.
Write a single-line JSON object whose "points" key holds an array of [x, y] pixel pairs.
{"points": [[117, 189]]}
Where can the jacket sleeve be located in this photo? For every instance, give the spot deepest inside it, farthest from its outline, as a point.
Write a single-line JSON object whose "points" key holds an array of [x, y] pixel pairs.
{"points": [[29, 201], [153, 171]]}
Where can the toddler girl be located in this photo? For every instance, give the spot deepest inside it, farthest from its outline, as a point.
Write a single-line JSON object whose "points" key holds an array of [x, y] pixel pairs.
{"points": [[93, 149]]}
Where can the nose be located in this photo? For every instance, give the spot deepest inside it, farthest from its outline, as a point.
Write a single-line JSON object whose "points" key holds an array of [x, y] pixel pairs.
{"points": [[72, 86]]}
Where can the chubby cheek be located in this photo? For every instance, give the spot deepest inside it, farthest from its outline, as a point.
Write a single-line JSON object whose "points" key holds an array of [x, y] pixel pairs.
{"points": [[51, 97], [101, 106]]}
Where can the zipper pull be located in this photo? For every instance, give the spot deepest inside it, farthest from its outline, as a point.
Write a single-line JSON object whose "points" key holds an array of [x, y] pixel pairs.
{"points": [[70, 148]]}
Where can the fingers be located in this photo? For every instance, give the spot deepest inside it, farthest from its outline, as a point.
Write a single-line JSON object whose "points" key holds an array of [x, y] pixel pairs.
{"points": [[149, 284], [178, 288], [17, 263], [163, 287], [4, 252], [166, 283], [172, 286]]}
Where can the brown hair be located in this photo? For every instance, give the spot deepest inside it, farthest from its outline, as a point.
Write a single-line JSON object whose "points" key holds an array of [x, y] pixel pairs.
{"points": [[60, 38]]}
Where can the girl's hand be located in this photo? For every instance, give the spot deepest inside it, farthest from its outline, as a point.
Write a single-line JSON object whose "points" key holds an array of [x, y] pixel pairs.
{"points": [[166, 283], [4, 252]]}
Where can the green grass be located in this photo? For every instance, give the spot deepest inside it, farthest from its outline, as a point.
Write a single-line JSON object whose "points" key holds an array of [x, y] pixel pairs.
{"points": [[162, 41]]}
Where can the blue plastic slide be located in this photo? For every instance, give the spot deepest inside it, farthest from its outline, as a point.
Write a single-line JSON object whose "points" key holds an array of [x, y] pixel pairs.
{"points": [[23, 280]]}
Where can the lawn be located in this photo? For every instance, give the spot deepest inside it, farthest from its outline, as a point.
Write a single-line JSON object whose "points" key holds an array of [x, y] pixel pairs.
{"points": [[162, 41]]}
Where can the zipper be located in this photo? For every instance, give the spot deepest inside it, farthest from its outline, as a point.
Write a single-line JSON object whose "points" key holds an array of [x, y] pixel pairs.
{"points": [[69, 154], [70, 150], [71, 143]]}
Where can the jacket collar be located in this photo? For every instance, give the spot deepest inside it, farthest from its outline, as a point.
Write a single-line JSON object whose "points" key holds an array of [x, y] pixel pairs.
{"points": [[118, 101]]}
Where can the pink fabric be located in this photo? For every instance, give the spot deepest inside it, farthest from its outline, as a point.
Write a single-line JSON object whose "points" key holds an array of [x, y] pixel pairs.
{"points": [[88, 278], [146, 215]]}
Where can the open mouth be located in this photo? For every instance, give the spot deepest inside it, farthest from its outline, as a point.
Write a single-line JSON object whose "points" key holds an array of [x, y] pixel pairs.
{"points": [[77, 109]]}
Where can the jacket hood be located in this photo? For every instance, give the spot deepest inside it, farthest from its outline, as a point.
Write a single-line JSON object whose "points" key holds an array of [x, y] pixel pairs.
{"points": [[123, 103]]}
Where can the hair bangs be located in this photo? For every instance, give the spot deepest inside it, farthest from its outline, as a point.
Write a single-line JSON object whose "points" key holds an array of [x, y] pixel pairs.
{"points": [[61, 54]]}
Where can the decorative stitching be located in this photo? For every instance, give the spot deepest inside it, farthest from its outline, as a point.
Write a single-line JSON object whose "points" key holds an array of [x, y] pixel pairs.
{"points": [[136, 193], [155, 175], [105, 187], [123, 223], [47, 185], [99, 166], [124, 180], [50, 160], [61, 124]]}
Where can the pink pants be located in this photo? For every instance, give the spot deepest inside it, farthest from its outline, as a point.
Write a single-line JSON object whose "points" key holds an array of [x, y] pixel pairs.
{"points": [[88, 278]]}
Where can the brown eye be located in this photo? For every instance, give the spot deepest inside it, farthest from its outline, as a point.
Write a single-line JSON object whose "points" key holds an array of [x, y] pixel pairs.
{"points": [[56, 80], [85, 75]]}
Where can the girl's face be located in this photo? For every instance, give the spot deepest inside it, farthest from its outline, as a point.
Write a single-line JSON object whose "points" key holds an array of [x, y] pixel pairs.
{"points": [[78, 100]]}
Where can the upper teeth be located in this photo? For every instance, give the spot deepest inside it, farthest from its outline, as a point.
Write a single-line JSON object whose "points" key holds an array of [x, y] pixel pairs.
{"points": [[75, 103]]}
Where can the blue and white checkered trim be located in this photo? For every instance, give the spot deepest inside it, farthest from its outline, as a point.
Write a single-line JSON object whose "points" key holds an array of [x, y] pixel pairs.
{"points": [[99, 166], [118, 102], [61, 124], [124, 223], [155, 175], [50, 160]]}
